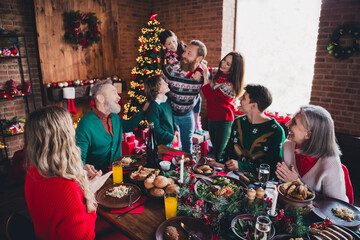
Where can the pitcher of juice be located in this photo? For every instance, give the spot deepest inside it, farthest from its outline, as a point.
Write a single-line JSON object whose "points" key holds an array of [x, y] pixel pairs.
{"points": [[117, 172], [170, 205]]}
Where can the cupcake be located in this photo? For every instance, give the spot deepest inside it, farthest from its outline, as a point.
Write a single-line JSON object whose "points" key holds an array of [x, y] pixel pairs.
{"points": [[251, 193], [260, 192]]}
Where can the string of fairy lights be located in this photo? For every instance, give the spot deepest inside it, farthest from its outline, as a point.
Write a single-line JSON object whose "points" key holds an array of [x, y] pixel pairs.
{"points": [[148, 65]]}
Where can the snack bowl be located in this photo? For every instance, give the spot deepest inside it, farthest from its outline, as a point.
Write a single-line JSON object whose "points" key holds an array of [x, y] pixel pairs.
{"points": [[287, 199]]}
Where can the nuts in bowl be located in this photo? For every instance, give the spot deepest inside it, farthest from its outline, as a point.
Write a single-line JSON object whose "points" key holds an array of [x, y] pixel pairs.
{"points": [[295, 193], [204, 169]]}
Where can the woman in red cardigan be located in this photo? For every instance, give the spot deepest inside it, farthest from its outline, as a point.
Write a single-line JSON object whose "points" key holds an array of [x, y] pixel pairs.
{"points": [[225, 86], [58, 193]]}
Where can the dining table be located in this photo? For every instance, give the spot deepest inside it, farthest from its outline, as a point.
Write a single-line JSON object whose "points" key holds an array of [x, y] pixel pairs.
{"points": [[143, 226]]}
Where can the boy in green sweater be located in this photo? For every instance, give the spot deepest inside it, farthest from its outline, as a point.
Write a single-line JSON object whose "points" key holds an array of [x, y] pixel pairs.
{"points": [[160, 112]]}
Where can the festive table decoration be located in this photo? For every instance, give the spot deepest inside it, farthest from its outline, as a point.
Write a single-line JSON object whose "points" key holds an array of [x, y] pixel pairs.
{"points": [[13, 126], [335, 47], [73, 34]]}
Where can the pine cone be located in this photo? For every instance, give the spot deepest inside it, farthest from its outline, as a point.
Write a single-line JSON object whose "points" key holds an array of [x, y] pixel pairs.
{"points": [[288, 228]]}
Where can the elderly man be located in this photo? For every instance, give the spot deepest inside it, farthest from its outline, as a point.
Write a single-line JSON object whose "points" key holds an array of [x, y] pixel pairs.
{"points": [[99, 132], [255, 138], [184, 91]]}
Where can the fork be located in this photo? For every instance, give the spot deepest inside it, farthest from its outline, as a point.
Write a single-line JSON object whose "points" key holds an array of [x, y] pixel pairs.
{"points": [[130, 199]]}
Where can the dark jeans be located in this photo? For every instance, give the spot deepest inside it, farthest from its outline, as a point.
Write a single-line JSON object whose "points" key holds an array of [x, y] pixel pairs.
{"points": [[219, 134]]}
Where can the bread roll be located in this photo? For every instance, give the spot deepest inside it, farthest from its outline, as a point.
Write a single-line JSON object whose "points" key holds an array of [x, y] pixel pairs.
{"points": [[171, 181], [161, 182], [157, 192], [172, 188], [149, 183]]}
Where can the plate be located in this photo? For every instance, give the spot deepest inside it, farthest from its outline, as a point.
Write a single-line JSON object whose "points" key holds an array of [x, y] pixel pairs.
{"points": [[322, 207], [140, 160], [352, 233], [210, 179], [174, 161], [206, 174], [286, 199], [113, 202], [251, 218], [197, 226], [286, 237]]}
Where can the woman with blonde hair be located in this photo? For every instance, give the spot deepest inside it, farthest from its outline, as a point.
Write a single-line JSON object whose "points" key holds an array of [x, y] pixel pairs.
{"points": [[311, 153], [59, 195]]}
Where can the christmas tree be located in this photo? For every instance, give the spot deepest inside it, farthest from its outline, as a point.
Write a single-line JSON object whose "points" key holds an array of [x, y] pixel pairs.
{"points": [[148, 65]]}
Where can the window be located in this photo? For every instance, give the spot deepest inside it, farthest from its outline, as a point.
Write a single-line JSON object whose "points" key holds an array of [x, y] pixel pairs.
{"points": [[278, 41]]}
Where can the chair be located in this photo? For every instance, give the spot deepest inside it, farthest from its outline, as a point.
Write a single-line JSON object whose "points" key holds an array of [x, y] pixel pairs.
{"points": [[19, 227], [348, 186]]}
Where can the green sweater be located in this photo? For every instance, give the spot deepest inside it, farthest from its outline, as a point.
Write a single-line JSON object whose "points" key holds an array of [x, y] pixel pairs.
{"points": [[164, 124], [97, 146], [252, 144]]}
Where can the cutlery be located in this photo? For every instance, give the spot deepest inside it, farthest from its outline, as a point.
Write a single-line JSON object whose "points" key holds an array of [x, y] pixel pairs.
{"points": [[207, 182], [189, 232], [130, 199], [123, 214]]}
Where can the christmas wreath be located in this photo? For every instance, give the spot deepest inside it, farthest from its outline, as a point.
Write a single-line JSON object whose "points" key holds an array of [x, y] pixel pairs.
{"points": [[74, 34], [339, 51]]}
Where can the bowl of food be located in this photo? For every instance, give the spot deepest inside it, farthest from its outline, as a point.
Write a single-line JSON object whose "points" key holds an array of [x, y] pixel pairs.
{"points": [[204, 169], [143, 173], [243, 226], [187, 161], [295, 193]]}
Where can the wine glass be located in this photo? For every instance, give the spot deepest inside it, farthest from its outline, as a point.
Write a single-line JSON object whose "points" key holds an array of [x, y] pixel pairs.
{"points": [[264, 173], [262, 228], [196, 153]]}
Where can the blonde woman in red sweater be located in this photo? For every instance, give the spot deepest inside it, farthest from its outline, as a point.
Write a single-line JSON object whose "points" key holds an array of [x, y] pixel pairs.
{"points": [[225, 86], [59, 195]]}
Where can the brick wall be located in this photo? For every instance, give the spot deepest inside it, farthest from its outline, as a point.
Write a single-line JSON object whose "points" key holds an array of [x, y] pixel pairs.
{"points": [[17, 15], [336, 84]]}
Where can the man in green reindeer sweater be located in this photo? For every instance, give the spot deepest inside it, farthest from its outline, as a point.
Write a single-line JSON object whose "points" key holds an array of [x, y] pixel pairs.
{"points": [[255, 138], [99, 132]]}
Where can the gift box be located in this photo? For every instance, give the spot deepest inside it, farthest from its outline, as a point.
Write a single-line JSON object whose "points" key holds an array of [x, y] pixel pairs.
{"points": [[200, 137], [127, 147], [206, 147], [145, 133], [129, 137]]}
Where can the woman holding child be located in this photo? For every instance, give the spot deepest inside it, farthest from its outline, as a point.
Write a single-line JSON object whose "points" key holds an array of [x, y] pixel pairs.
{"points": [[225, 86]]}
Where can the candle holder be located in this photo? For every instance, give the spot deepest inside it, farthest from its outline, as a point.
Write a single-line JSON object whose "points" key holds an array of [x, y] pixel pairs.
{"points": [[272, 216]]}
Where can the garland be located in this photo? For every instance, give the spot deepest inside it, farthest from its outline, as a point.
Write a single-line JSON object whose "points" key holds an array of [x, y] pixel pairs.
{"points": [[73, 34], [339, 51]]}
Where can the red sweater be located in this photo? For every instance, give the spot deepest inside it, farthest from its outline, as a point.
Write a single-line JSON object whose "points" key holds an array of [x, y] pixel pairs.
{"points": [[220, 107], [57, 208]]}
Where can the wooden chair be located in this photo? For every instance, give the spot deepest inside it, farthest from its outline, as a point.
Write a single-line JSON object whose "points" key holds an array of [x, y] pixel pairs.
{"points": [[19, 227]]}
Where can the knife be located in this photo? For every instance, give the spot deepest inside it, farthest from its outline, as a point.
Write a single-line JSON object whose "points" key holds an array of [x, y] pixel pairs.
{"points": [[122, 214], [189, 232]]}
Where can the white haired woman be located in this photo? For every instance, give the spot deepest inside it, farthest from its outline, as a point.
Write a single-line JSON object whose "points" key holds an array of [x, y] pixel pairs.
{"points": [[58, 193], [312, 154]]}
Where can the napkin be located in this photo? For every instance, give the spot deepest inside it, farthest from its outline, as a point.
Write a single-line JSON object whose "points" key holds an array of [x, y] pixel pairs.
{"points": [[173, 154], [222, 173], [138, 210]]}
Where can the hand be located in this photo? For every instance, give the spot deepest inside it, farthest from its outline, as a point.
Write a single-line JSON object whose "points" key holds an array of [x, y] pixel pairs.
{"points": [[286, 174], [232, 165], [197, 76], [146, 106], [90, 169], [99, 180], [175, 140], [205, 71], [177, 134]]}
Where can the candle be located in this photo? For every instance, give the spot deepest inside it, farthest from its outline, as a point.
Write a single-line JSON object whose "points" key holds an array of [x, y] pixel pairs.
{"points": [[182, 170], [274, 201]]}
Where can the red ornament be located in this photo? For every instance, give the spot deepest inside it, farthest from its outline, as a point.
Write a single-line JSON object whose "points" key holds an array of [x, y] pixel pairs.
{"points": [[54, 84], [142, 43], [144, 53], [84, 81], [144, 72], [70, 83], [155, 50], [14, 51], [157, 60], [140, 87]]}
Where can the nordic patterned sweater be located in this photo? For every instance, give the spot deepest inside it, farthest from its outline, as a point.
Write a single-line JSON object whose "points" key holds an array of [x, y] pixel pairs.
{"points": [[183, 91]]}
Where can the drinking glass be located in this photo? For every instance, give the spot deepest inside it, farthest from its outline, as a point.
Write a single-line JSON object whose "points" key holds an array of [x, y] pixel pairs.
{"points": [[264, 173], [117, 168], [262, 228], [170, 205], [196, 153]]}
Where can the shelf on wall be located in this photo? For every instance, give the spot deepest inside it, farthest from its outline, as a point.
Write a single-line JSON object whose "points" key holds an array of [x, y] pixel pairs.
{"points": [[56, 94]]}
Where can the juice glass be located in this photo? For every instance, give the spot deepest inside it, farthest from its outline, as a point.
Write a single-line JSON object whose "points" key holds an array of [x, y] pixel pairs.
{"points": [[170, 205], [117, 172]]}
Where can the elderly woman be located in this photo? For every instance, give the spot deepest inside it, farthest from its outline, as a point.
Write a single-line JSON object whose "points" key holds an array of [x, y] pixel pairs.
{"points": [[312, 154], [58, 192]]}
